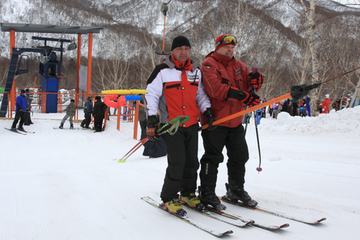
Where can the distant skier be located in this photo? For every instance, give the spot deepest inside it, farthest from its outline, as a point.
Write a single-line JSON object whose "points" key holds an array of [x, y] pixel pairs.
{"points": [[70, 113], [87, 111], [99, 113], [20, 111], [28, 97], [326, 104]]}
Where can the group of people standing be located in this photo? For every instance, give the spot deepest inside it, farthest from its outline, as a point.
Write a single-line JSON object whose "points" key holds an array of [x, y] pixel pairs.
{"points": [[98, 111], [222, 86], [341, 103], [23, 108], [338, 104], [299, 107]]}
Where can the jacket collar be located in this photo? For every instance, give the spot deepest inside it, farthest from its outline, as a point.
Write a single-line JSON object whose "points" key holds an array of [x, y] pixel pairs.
{"points": [[169, 62], [220, 58], [181, 65]]}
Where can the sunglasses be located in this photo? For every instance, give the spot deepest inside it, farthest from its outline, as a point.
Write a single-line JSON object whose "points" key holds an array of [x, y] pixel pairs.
{"points": [[226, 40]]}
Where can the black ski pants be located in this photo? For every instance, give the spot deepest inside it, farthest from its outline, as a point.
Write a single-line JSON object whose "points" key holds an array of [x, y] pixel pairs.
{"points": [[237, 151], [27, 118], [86, 122], [98, 121], [19, 115], [183, 163]]}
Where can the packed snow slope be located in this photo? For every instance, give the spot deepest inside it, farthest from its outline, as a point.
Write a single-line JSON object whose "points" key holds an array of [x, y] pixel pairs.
{"points": [[68, 185]]}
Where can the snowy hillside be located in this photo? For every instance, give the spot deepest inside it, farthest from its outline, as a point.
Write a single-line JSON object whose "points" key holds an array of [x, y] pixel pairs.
{"points": [[67, 184], [132, 21]]}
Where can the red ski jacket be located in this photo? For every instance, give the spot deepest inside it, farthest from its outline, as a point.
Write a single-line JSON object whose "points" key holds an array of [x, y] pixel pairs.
{"points": [[219, 74], [326, 106]]}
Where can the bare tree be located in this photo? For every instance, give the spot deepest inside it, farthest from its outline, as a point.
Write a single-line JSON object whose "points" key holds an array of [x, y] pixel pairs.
{"points": [[338, 46], [111, 73], [257, 40], [352, 3], [310, 15], [356, 92]]}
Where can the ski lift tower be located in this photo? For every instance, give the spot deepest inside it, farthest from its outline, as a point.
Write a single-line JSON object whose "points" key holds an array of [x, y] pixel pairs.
{"points": [[50, 71], [49, 65]]}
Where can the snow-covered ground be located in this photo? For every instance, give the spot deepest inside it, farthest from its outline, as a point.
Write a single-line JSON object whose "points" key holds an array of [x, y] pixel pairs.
{"points": [[67, 184]]}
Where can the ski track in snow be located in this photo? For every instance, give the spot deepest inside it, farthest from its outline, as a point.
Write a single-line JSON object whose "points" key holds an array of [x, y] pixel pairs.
{"points": [[67, 184]]}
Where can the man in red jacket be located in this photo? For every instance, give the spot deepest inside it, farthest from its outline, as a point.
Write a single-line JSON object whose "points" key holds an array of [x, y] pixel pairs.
{"points": [[175, 89], [229, 85]]}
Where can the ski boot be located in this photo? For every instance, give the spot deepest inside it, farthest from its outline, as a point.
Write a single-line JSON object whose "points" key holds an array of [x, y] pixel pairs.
{"points": [[61, 126], [192, 201], [174, 206], [236, 193], [71, 126], [21, 129], [209, 198]]}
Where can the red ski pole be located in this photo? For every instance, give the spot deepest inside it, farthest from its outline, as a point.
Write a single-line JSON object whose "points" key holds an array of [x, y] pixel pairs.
{"points": [[238, 114], [136, 147]]}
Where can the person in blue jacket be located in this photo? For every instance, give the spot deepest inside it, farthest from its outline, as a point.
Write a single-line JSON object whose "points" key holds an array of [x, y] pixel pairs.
{"points": [[21, 108], [87, 112]]}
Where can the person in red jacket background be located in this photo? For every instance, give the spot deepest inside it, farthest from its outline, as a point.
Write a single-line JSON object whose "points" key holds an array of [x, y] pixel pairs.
{"points": [[229, 85], [326, 104]]}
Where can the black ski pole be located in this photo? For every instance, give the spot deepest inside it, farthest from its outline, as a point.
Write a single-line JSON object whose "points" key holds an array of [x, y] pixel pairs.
{"points": [[259, 169]]}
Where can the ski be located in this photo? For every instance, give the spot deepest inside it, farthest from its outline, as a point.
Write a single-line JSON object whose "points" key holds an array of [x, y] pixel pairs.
{"points": [[66, 128], [188, 220], [16, 131], [26, 132], [225, 199], [235, 222], [248, 221]]}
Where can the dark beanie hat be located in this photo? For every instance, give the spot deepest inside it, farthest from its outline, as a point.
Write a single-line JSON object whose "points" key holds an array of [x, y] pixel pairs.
{"points": [[180, 41], [22, 91]]}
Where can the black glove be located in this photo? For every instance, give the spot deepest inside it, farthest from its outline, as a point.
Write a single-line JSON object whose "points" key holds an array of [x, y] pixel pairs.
{"points": [[152, 128], [210, 118], [250, 99], [256, 80]]}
